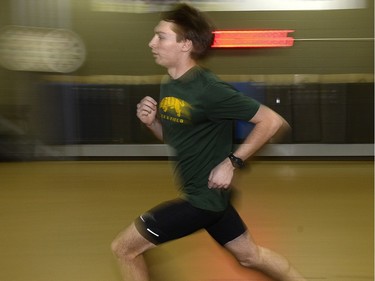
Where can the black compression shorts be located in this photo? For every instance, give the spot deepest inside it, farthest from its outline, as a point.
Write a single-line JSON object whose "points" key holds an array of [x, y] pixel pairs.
{"points": [[178, 218]]}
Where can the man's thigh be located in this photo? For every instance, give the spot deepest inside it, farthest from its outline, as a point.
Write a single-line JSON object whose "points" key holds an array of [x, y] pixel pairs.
{"points": [[172, 220], [228, 227]]}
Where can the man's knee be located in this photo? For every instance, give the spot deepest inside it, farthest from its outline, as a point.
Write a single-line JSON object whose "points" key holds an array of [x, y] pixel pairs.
{"points": [[129, 244], [120, 248], [252, 259], [123, 246]]}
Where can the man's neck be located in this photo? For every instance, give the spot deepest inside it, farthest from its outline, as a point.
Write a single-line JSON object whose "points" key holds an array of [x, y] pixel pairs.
{"points": [[178, 71]]}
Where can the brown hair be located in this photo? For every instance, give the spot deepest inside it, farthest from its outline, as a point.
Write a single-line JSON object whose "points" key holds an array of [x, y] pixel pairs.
{"points": [[191, 24]]}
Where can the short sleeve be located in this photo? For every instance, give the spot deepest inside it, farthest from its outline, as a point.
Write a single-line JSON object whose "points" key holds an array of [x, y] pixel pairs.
{"points": [[223, 101]]}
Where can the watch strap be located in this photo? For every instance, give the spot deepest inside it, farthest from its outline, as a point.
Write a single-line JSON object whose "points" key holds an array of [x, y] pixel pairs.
{"points": [[236, 162]]}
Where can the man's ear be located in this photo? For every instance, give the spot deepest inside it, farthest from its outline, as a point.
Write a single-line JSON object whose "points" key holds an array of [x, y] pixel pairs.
{"points": [[187, 45]]}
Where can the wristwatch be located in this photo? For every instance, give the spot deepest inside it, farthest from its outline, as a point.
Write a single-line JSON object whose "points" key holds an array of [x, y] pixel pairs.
{"points": [[236, 162]]}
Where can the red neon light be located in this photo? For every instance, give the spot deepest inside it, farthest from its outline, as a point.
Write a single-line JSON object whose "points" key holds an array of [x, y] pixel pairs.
{"points": [[252, 38]]}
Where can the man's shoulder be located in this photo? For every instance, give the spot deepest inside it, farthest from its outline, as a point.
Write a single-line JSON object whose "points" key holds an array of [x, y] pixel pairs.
{"points": [[210, 80], [208, 74]]}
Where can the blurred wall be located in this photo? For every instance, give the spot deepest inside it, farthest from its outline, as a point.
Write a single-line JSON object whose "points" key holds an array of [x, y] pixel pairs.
{"points": [[117, 42], [328, 72]]}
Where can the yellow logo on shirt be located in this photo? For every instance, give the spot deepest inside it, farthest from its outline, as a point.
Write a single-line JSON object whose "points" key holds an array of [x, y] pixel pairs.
{"points": [[175, 110]]}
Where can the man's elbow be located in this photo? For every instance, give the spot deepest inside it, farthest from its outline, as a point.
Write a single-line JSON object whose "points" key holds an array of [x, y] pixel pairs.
{"points": [[276, 121], [281, 129]]}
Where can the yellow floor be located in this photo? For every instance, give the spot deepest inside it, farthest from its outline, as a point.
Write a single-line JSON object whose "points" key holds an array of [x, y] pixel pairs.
{"points": [[57, 220]]}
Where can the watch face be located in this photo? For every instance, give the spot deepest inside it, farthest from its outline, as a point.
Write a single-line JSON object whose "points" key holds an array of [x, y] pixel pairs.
{"points": [[25, 48], [237, 164]]}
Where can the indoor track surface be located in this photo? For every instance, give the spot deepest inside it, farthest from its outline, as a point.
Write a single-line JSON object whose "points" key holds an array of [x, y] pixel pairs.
{"points": [[57, 220]]}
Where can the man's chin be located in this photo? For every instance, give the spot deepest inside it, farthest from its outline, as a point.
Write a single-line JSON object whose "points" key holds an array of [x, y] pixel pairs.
{"points": [[157, 61]]}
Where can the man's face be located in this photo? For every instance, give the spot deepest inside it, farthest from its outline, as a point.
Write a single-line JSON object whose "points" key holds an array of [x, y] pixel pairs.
{"points": [[164, 45]]}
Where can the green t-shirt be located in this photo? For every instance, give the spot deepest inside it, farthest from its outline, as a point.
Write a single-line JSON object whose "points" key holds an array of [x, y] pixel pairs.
{"points": [[197, 112]]}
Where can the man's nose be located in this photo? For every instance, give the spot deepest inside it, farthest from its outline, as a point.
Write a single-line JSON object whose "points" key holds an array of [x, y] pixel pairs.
{"points": [[151, 44]]}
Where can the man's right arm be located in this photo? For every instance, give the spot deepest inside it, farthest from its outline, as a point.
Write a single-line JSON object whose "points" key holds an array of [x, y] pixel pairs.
{"points": [[156, 128], [146, 112]]}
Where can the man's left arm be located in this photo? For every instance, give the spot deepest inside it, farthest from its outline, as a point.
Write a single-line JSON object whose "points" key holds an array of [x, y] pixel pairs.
{"points": [[268, 124]]}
